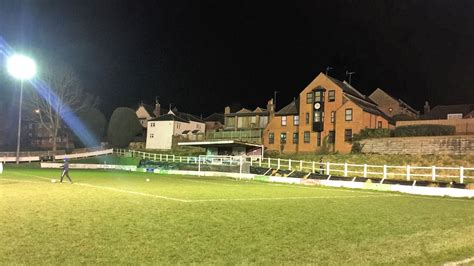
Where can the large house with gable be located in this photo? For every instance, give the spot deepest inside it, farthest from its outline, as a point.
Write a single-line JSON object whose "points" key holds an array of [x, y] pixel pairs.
{"points": [[327, 113]]}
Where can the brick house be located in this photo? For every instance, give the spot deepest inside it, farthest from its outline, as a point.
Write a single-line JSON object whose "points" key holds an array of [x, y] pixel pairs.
{"points": [[327, 110], [392, 107]]}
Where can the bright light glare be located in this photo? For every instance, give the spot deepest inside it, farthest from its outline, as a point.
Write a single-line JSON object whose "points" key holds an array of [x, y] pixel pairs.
{"points": [[21, 67]]}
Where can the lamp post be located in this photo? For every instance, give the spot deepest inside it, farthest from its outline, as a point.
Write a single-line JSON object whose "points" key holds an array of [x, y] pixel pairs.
{"points": [[22, 68]]}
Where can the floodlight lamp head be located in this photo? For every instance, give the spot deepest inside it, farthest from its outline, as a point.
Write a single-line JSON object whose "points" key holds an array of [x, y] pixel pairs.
{"points": [[21, 67]]}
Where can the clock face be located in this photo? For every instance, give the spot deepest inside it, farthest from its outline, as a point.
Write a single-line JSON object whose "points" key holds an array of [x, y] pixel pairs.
{"points": [[317, 106]]}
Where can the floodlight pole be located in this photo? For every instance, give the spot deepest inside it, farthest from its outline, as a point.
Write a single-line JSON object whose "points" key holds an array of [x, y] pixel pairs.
{"points": [[19, 124]]}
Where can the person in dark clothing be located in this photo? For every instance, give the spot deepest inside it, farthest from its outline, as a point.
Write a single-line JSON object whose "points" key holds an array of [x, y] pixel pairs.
{"points": [[66, 170]]}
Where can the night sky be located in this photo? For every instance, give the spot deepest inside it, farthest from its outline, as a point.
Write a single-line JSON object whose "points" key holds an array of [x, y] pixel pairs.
{"points": [[204, 55]]}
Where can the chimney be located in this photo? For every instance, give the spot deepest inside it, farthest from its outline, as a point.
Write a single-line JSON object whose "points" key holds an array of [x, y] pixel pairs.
{"points": [[426, 107], [270, 108], [157, 108], [227, 110]]}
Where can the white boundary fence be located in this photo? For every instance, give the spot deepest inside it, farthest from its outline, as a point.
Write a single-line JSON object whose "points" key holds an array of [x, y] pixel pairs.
{"points": [[407, 172], [58, 157]]}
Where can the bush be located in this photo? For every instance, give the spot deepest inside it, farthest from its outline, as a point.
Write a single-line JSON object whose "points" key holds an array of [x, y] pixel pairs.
{"points": [[369, 133], [356, 147], [424, 130], [123, 126]]}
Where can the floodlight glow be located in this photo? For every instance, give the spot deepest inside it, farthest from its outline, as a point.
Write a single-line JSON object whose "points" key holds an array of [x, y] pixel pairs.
{"points": [[21, 67]]}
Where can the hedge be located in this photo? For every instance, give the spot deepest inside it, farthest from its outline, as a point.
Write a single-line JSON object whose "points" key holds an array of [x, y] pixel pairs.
{"points": [[369, 133], [424, 130]]}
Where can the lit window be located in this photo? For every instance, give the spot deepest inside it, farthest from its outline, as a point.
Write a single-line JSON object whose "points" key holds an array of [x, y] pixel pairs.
{"points": [[296, 120], [349, 114], [309, 97], [333, 116], [317, 116], [283, 120], [283, 138], [318, 96]]}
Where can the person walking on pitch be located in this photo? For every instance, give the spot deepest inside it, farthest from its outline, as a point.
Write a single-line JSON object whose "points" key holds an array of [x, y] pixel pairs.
{"points": [[66, 170]]}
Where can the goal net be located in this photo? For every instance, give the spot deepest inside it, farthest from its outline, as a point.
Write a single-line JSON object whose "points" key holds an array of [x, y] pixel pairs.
{"points": [[223, 163]]}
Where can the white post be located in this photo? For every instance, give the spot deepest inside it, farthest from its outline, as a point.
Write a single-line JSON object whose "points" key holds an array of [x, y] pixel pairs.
{"points": [[313, 167], [199, 166], [251, 162], [384, 171], [433, 173], [289, 164], [154, 156], [240, 167], [365, 170], [269, 164], [260, 161], [180, 158], [278, 163], [345, 169], [461, 174], [408, 172], [173, 157], [187, 159], [327, 168], [301, 165], [166, 157], [161, 157]]}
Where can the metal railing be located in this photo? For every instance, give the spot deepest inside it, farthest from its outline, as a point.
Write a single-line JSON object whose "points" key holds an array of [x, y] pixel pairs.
{"points": [[407, 172]]}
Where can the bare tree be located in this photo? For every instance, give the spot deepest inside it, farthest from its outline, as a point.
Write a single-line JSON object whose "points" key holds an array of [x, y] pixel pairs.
{"points": [[59, 94]]}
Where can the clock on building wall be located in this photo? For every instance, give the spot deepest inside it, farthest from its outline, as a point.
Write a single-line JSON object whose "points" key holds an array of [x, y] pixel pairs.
{"points": [[317, 106]]}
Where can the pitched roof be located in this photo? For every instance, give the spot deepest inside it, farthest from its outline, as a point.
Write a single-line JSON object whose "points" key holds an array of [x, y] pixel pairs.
{"points": [[169, 117], [347, 88], [442, 111], [290, 109], [247, 112], [219, 117], [400, 101], [368, 107], [189, 117]]}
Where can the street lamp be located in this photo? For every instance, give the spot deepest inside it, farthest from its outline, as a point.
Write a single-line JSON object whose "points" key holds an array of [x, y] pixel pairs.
{"points": [[22, 68]]}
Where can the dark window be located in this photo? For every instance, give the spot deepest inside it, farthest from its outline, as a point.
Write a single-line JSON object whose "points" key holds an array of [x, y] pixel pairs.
{"points": [[333, 116], [295, 138], [306, 137], [332, 95], [296, 120], [331, 136], [319, 139], [283, 138], [349, 114], [379, 124], [348, 135], [271, 138], [283, 120], [307, 118], [309, 97]]}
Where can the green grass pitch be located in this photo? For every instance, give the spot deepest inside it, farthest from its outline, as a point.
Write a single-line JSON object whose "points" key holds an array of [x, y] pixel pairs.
{"points": [[112, 217]]}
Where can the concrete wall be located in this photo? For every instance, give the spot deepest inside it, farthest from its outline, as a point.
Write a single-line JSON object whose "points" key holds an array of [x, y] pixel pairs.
{"points": [[463, 126], [459, 145]]}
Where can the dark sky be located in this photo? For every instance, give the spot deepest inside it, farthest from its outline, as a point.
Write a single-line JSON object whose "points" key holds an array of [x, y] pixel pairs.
{"points": [[204, 55]]}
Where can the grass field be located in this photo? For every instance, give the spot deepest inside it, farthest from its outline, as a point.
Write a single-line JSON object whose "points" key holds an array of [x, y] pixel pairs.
{"points": [[110, 217]]}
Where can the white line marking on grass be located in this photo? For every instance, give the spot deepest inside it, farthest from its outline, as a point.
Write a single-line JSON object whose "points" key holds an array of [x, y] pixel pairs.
{"points": [[455, 263], [30, 175], [289, 198], [132, 192], [24, 181]]}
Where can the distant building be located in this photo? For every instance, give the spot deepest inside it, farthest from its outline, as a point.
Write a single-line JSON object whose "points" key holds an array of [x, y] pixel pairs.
{"points": [[392, 107], [39, 136], [146, 112], [455, 111], [214, 122], [248, 119], [327, 111], [163, 129]]}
